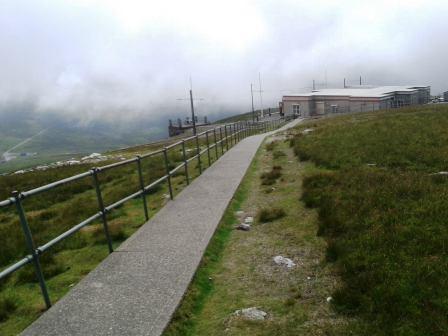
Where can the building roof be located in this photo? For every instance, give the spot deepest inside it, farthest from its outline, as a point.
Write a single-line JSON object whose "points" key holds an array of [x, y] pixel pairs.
{"points": [[361, 91]]}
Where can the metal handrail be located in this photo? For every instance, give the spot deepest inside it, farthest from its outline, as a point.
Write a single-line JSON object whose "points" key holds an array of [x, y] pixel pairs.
{"points": [[224, 136]]}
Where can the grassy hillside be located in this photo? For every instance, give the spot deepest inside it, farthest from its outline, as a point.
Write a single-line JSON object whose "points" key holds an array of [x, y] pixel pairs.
{"points": [[243, 116], [63, 138], [383, 210], [53, 212]]}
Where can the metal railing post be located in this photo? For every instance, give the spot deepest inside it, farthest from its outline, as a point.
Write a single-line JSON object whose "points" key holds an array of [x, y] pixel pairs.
{"points": [[30, 245], [216, 144], [238, 131], [198, 152], [222, 141], [184, 156], [208, 149], [235, 134], [230, 135], [99, 197], [227, 139], [168, 173], [142, 186]]}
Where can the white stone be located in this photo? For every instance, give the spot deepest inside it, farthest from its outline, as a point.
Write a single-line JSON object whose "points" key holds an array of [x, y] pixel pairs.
{"points": [[252, 313], [329, 299], [239, 213], [279, 260], [91, 156], [308, 130], [243, 227], [249, 220]]}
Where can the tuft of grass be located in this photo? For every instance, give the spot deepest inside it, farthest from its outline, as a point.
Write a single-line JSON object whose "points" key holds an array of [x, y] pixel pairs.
{"points": [[270, 214], [50, 268], [270, 146], [8, 305], [278, 154], [269, 178]]}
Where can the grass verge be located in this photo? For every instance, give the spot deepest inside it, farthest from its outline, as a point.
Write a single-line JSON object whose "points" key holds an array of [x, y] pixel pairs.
{"points": [[238, 270], [383, 207], [183, 322]]}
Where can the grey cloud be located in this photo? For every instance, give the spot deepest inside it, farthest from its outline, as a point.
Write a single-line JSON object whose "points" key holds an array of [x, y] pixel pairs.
{"points": [[76, 58]]}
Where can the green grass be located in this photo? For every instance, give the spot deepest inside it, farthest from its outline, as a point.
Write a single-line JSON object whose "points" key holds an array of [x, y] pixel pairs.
{"points": [[53, 212], [238, 271], [270, 177], [383, 213], [270, 214]]}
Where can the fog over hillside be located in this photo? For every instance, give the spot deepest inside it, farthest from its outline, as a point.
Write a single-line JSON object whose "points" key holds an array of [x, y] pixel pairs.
{"points": [[119, 59]]}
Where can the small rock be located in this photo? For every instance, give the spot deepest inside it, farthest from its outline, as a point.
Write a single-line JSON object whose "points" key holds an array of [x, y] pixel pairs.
{"points": [[249, 220], [252, 313], [279, 260], [441, 173], [309, 278], [329, 299], [71, 285], [371, 164], [308, 130], [243, 227], [239, 213], [166, 196]]}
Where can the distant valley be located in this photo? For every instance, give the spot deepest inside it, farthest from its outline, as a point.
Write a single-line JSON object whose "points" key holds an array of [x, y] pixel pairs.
{"points": [[28, 139]]}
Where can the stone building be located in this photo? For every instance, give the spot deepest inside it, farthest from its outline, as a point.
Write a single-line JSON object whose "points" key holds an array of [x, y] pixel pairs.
{"points": [[354, 99]]}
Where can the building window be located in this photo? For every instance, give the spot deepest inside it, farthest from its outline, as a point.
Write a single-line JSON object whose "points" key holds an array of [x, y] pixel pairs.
{"points": [[334, 109], [296, 109]]}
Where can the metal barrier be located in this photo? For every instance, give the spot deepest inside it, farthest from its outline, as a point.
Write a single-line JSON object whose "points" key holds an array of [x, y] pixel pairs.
{"points": [[224, 137]]}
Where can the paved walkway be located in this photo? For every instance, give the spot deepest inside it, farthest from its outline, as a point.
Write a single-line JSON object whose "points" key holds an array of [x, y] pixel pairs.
{"points": [[136, 289]]}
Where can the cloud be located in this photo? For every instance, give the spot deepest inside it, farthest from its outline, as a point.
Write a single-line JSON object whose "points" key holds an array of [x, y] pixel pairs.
{"points": [[121, 58]]}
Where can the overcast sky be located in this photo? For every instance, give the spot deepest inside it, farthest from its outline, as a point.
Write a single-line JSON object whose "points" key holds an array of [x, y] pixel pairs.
{"points": [[91, 57]]}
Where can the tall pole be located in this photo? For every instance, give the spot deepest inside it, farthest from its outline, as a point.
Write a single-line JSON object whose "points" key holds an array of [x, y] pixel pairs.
{"points": [[344, 84], [261, 95], [314, 85], [192, 112], [360, 81], [252, 95]]}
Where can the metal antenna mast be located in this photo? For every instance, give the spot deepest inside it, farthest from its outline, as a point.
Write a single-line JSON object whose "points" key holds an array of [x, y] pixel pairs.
{"points": [[252, 96], [261, 95], [193, 118]]}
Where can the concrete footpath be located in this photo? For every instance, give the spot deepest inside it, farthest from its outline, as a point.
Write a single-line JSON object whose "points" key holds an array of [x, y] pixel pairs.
{"points": [[137, 288]]}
